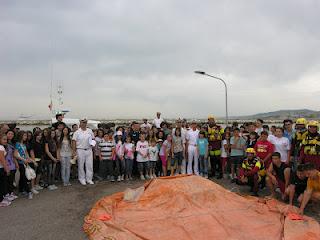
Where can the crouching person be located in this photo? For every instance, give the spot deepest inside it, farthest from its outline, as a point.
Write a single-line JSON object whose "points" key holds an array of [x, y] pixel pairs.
{"points": [[251, 171], [278, 175], [313, 186], [298, 184]]}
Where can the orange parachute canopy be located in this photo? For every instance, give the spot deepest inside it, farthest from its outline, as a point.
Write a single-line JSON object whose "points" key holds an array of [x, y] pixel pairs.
{"points": [[191, 207]]}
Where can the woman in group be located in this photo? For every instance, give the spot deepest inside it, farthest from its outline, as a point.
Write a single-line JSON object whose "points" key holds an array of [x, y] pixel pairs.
{"points": [[37, 154], [22, 156], [12, 164], [50, 160], [64, 153], [4, 172], [177, 151]]}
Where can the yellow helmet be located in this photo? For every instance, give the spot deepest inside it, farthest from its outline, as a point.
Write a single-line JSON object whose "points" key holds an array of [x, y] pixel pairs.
{"points": [[251, 150], [211, 117], [301, 121], [313, 123]]}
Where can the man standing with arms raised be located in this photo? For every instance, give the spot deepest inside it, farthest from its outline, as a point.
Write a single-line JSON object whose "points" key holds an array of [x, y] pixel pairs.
{"points": [[191, 146], [82, 141], [158, 120]]}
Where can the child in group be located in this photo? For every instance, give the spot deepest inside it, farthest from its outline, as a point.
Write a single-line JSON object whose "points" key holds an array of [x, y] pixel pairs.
{"points": [[159, 162], [142, 156], [129, 150], [165, 153], [107, 153], [252, 140], [177, 151], [120, 163], [225, 152], [153, 158], [202, 145], [238, 145]]}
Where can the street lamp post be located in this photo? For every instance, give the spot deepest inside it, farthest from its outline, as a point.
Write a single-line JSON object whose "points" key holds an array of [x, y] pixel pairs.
{"points": [[226, 90]]}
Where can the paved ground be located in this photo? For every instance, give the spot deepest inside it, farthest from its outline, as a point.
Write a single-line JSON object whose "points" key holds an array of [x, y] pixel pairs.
{"points": [[59, 214]]}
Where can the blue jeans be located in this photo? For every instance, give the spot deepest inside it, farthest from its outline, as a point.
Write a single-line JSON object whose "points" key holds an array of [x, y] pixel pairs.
{"points": [[203, 164], [65, 169]]}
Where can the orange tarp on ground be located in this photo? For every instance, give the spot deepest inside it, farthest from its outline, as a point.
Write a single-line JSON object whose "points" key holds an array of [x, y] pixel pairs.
{"points": [[191, 207]]}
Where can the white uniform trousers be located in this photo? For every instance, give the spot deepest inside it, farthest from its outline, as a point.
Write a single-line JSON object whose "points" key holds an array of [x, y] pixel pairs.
{"points": [[193, 158], [85, 159]]}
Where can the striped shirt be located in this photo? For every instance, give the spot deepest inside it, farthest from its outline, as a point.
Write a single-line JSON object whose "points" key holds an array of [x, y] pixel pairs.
{"points": [[106, 149]]}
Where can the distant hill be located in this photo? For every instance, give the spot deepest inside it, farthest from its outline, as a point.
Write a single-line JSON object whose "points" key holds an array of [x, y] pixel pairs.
{"points": [[283, 114]]}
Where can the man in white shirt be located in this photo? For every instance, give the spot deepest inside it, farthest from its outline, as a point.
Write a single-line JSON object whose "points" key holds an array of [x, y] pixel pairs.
{"points": [[82, 147], [158, 120], [191, 146]]}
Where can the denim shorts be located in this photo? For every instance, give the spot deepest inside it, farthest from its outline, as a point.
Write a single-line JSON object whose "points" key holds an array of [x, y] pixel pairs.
{"points": [[152, 164], [142, 166], [177, 158], [236, 160]]}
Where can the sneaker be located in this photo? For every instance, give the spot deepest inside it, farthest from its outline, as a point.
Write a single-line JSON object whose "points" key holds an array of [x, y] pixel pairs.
{"points": [[112, 178], [154, 176], [69, 184], [34, 191], [13, 196], [142, 178], [151, 176], [24, 194], [119, 179], [5, 203], [108, 178], [206, 176], [8, 198], [122, 177], [38, 188], [147, 177], [30, 195], [83, 182], [130, 178], [52, 187], [90, 182]]}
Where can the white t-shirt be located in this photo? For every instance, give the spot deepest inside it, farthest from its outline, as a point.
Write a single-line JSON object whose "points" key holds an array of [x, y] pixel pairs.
{"points": [[128, 150], [223, 150], [281, 145], [145, 125], [83, 138], [157, 122], [153, 153], [142, 149], [2, 149], [192, 137]]}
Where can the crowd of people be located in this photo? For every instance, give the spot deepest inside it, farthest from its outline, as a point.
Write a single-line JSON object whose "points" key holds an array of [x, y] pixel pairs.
{"points": [[285, 158]]}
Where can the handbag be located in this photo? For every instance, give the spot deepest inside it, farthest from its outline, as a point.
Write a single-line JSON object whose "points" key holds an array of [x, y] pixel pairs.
{"points": [[30, 173]]}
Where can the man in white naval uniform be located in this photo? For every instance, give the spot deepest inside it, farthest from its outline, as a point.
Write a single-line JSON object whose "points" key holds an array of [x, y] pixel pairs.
{"points": [[191, 146], [81, 145]]}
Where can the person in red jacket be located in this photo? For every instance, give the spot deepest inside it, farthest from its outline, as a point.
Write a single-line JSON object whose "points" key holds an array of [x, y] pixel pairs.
{"points": [[251, 171], [264, 149]]}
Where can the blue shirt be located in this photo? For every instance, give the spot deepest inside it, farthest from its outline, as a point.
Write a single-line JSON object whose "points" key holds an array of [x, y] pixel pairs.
{"points": [[202, 144], [288, 135], [22, 149]]}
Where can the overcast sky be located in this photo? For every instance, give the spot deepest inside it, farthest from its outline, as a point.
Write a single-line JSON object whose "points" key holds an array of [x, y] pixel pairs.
{"points": [[132, 58]]}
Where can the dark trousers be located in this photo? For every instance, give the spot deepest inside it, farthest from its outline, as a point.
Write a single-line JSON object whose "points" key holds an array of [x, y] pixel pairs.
{"points": [[96, 164], [23, 182], [119, 167], [10, 181], [3, 184], [253, 182], [128, 165], [215, 165]]}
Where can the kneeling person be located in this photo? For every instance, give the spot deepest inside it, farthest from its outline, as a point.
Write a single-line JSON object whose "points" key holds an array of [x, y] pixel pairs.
{"points": [[251, 171], [298, 184], [313, 186], [278, 175]]}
